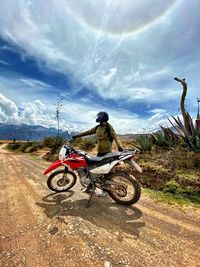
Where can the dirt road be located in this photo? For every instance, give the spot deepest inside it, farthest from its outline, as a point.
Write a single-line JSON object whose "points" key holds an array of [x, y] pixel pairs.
{"points": [[40, 228]]}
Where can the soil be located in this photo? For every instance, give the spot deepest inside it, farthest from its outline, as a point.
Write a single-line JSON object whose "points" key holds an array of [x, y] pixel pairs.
{"points": [[41, 228]]}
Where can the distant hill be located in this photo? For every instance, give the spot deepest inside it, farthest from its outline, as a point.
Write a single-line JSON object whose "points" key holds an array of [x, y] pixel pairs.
{"points": [[129, 136], [29, 132]]}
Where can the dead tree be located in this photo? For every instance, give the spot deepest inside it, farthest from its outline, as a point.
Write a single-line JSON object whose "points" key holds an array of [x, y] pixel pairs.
{"points": [[188, 123], [198, 116], [58, 108]]}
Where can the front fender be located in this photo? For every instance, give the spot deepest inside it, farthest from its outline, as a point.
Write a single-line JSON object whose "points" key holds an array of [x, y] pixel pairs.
{"points": [[53, 166], [137, 167]]}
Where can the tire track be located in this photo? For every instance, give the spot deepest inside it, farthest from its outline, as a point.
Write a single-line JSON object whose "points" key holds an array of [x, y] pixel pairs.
{"points": [[143, 235], [149, 211]]}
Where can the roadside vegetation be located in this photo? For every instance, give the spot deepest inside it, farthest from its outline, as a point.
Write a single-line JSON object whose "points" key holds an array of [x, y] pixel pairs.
{"points": [[51, 145], [87, 143], [26, 147], [170, 158], [173, 199], [175, 172]]}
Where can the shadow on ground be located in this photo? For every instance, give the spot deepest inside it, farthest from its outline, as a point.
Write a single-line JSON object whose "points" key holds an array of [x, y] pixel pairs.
{"points": [[103, 213]]}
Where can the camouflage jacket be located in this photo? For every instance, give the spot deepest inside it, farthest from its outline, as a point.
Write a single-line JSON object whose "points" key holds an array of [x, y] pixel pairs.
{"points": [[103, 137]]}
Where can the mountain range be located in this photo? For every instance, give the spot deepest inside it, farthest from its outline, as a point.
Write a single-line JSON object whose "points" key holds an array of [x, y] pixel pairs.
{"points": [[29, 132]]}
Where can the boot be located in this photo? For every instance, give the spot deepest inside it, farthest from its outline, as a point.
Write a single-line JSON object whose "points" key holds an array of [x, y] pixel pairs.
{"points": [[101, 193]]}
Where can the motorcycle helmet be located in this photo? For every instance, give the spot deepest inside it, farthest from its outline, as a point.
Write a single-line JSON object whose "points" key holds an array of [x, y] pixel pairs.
{"points": [[102, 116]]}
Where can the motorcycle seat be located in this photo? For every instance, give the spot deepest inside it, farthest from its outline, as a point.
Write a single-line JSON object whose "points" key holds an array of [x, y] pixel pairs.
{"points": [[112, 155], [95, 160]]}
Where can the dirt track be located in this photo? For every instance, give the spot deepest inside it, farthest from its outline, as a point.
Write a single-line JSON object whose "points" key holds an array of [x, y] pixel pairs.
{"points": [[40, 228]]}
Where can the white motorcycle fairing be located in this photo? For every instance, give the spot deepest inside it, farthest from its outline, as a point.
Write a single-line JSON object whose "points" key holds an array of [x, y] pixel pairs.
{"points": [[105, 169]]}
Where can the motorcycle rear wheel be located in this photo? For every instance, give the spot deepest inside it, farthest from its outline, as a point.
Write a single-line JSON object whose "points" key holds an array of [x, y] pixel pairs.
{"points": [[126, 185], [61, 180]]}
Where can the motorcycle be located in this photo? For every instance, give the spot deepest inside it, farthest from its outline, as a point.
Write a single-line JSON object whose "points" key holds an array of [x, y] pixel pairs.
{"points": [[96, 172]]}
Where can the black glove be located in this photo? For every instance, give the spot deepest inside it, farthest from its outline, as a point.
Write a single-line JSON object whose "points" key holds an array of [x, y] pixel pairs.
{"points": [[120, 149]]}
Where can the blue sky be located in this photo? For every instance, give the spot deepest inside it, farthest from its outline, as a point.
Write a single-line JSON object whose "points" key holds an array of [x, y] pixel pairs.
{"points": [[117, 56]]}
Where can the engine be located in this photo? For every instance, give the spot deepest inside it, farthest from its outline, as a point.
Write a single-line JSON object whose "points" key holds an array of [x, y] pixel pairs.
{"points": [[84, 176]]}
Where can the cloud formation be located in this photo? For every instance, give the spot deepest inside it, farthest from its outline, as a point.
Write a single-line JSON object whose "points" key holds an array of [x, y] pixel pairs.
{"points": [[29, 113], [75, 117], [115, 57], [8, 110]]}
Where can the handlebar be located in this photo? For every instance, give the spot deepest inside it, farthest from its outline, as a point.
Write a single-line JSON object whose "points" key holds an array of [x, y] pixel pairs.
{"points": [[126, 150]]}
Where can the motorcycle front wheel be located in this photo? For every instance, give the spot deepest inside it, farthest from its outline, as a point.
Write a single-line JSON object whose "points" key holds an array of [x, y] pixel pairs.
{"points": [[61, 180], [123, 188]]}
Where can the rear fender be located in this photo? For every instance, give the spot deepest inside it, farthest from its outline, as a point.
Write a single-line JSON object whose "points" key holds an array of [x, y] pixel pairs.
{"points": [[129, 160], [53, 166]]}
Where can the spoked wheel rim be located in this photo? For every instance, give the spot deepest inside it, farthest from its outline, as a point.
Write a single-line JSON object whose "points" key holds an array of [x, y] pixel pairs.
{"points": [[62, 181], [122, 188]]}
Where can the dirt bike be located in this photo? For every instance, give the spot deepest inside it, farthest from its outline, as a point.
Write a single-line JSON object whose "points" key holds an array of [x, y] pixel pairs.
{"points": [[96, 172]]}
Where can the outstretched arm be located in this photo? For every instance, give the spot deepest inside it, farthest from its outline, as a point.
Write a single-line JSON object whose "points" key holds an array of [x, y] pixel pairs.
{"points": [[88, 132]]}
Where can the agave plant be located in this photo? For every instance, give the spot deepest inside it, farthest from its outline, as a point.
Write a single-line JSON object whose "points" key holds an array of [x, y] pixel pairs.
{"points": [[186, 130], [165, 138], [144, 142], [57, 142]]}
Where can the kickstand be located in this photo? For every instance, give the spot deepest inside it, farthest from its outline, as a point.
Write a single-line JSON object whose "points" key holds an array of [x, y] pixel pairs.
{"points": [[91, 195]]}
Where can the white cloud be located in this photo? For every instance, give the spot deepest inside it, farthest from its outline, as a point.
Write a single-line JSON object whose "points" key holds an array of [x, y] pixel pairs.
{"points": [[89, 40], [4, 62], [116, 17], [8, 110], [74, 117], [34, 113], [158, 110], [7, 105], [83, 116], [108, 78], [34, 83], [159, 117], [64, 37]]}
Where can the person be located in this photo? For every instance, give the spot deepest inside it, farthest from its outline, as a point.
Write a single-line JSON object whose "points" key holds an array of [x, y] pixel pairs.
{"points": [[105, 135]]}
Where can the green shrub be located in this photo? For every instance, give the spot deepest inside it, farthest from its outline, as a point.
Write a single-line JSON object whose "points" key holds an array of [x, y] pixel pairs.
{"points": [[171, 187], [53, 142], [49, 141], [56, 144], [27, 147], [14, 146], [32, 148], [88, 143], [194, 142], [164, 139], [143, 142], [187, 131], [24, 146]]}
